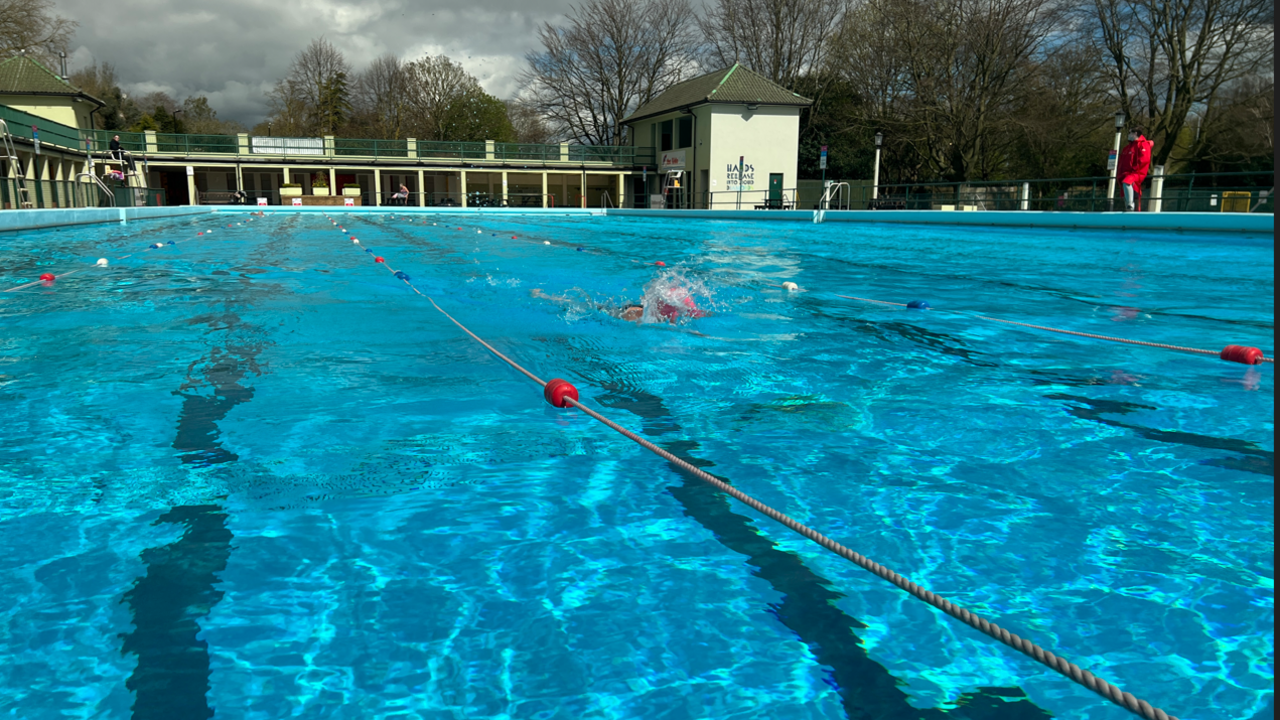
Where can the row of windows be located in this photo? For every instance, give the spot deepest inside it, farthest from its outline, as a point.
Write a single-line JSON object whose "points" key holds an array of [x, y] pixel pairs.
{"points": [[672, 134]]}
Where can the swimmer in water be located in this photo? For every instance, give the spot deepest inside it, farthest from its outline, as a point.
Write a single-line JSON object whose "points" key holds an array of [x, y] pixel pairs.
{"points": [[631, 312]]}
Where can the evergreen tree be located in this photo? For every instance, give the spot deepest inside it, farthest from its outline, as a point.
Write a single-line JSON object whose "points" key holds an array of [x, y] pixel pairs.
{"points": [[144, 123], [164, 120], [333, 106], [476, 117]]}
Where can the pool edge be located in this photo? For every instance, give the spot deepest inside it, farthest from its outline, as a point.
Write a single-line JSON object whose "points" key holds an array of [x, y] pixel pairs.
{"points": [[16, 220]]}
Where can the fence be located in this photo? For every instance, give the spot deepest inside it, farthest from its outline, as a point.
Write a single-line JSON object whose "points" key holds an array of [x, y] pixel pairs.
{"points": [[1185, 192], [750, 200], [26, 126]]}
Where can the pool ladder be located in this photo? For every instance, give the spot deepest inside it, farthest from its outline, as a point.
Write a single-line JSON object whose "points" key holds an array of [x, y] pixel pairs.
{"points": [[101, 186], [840, 192], [11, 155]]}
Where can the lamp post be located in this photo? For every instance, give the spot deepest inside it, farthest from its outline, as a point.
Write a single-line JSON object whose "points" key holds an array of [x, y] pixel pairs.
{"points": [[875, 177], [1113, 161]]}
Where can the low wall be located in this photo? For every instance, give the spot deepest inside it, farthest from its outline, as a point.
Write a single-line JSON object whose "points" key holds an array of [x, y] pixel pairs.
{"points": [[1197, 221], [405, 210], [1193, 221], [47, 218]]}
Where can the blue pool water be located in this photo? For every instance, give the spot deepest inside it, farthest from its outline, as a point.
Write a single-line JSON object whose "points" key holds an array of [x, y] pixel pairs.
{"points": [[253, 475]]}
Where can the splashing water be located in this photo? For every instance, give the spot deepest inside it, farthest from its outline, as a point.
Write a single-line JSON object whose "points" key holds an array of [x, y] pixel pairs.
{"points": [[674, 296]]}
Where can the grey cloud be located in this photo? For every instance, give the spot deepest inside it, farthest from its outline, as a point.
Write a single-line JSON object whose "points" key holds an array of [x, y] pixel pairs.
{"points": [[233, 51]]}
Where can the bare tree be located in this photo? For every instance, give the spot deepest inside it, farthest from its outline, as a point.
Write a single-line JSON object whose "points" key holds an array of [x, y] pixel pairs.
{"points": [[201, 119], [1170, 58], [609, 58], [31, 27], [1062, 117], [100, 81], [943, 75], [381, 97], [1240, 126], [289, 111], [436, 87], [313, 97], [528, 123], [157, 98], [780, 39]]}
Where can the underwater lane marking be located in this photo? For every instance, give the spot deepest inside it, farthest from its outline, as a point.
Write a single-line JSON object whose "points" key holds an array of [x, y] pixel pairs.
{"points": [[50, 278]]}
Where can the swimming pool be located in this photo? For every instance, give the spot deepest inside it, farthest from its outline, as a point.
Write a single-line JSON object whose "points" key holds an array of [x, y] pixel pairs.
{"points": [[253, 474]]}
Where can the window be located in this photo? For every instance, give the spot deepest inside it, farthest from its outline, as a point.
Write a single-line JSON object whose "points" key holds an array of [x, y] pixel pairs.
{"points": [[666, 136], [686, 132]]}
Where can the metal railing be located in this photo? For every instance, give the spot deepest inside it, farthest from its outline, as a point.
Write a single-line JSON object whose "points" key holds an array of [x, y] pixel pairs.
{"points": [[55, 134], [841, 192], [100, 140], [354, 147], [1182, 192], [750, 200], [185, 145], [100, 185]]}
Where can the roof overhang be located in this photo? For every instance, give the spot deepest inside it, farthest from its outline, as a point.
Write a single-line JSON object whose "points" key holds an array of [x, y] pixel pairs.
{"points": [[700, 103], [74, 96]]}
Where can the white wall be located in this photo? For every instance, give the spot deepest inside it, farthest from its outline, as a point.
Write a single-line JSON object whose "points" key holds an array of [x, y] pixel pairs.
{"points": [[768, 139]]}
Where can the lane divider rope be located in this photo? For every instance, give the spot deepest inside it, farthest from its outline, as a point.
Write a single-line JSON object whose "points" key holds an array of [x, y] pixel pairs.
{"points": [[1231, 353], [560, 393], [51, 277]]}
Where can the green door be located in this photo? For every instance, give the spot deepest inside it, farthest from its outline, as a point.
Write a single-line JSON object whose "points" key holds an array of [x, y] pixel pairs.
{"points": [[775, 188]]}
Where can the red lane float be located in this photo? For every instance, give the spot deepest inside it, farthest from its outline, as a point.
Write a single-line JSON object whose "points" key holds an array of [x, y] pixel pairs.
{"points": [[50, 277], [1242, 354], [557, 389]]}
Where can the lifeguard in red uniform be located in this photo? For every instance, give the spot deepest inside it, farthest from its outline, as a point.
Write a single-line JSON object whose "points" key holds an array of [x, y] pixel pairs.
{"points": [[1134, 162]]}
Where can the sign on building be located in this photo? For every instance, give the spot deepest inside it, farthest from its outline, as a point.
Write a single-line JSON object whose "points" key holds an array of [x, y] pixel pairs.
{"points": [[741, 176], [297, 202], [286, 146], [673, 160]]}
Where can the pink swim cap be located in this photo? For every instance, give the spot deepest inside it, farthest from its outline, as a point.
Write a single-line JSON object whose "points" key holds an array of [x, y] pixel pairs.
{"points": [[671, 312]]}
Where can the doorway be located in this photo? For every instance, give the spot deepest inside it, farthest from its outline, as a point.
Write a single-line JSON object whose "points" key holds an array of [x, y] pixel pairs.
{"points": [[775, 190]]}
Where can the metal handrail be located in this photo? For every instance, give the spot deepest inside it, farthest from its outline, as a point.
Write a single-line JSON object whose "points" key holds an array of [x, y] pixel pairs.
{"points": [[604, 198], [833, 190], [101, 186]]}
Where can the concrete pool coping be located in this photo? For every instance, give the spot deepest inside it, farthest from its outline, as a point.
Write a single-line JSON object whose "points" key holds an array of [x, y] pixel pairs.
{"points": [[11, 220]]}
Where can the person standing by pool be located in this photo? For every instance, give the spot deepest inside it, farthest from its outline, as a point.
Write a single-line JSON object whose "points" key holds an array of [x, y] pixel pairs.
{"points": [[1135, 161]]}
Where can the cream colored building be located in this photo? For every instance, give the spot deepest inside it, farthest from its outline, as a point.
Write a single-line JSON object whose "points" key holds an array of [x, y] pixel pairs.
{"points": [[724, 140], [31, 87]]}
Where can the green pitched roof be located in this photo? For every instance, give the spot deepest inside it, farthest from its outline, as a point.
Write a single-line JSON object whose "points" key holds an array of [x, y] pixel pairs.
{"points": [[21, 75], [736, 85]]}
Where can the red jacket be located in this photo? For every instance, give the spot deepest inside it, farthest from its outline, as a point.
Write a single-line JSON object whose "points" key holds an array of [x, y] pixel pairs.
{"points": [[1134, 161]]}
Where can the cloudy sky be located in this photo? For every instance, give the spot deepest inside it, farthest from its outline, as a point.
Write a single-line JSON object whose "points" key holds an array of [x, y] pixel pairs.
{"points": [[233, 51]]}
